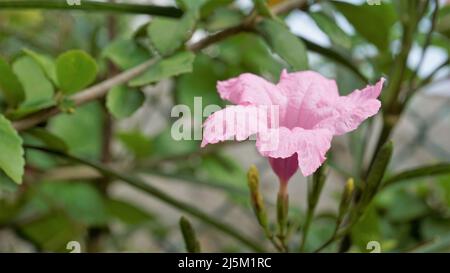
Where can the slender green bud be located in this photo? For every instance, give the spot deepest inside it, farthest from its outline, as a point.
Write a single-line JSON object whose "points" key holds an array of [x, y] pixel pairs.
{"points": [[190, 239], [253, 179], [318, 181], [346, 197], [256, 198]]}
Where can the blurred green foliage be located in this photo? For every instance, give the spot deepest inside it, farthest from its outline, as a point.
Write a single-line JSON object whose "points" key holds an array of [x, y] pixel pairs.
{"points": [[48, 55]]}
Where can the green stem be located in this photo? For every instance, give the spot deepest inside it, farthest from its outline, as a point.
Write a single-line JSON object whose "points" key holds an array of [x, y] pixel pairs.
{"points": [[429, 170], [87, 5], [434, 18], [399, 67], [155, 192], [306, 226], [430, 77], [427, 80], [314, 190], [282, 213], [391, 106]]}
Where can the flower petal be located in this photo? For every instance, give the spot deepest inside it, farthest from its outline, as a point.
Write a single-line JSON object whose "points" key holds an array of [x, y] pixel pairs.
{"points": [[234, 121], [310, 146], [250, 89], [351, 110], [294, 84], [309, 94]]}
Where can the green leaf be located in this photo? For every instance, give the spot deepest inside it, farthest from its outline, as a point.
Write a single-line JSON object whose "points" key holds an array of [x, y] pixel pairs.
{"points": [[167, 35], [331, 29], [122, 101], [12, 155], [128, 213], [262, 7], [35, 158], [10, 85], [403, 206], [190, 239], [80, 201], [172, 66], [200, 83], [221, 170], [27, 109], [72, 129], [212, 5], [46, 63], [38, 88], [6, 185], [189, 5], [430, 170], [224, 18], [285, 44], [165, 146], [321, 230], [137, 143], [52, 232], [75, 70], [367, 229], [373, 22], [49, 139], [248, 52], [126, 53]]}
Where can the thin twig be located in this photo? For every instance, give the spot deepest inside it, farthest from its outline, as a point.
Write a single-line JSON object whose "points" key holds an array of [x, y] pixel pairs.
{"points": [[92, 93], [334, 55], [93, 6]]}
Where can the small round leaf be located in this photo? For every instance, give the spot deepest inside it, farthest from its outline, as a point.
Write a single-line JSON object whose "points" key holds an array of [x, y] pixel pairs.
{"points": [[75, 70]]}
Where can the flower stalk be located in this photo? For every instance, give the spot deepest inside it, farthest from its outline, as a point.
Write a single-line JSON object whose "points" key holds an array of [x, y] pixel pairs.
{"points": [[282, 212]]}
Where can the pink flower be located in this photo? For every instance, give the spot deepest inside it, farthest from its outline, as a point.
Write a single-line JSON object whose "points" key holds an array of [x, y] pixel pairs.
{"points": [[310, 112]]}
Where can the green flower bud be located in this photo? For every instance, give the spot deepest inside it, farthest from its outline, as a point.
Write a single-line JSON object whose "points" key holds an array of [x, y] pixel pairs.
{"points": [[256, 198]]}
